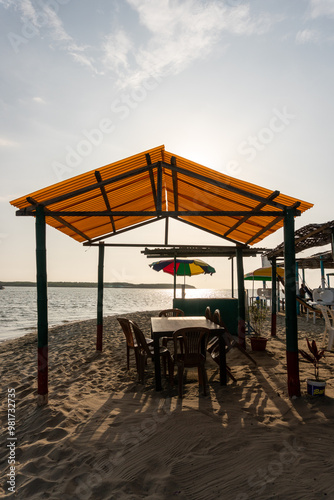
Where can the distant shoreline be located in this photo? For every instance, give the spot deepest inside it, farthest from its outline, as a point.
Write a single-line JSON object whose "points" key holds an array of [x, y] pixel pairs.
{"points": [[87, 284]]}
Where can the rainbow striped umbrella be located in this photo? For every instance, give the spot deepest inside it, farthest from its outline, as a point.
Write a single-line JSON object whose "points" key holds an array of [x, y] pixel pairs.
{"points": [[184, 267]]}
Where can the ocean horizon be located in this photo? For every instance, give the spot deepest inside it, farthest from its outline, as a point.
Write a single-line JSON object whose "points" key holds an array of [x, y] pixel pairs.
{"points": [[18, 305]]}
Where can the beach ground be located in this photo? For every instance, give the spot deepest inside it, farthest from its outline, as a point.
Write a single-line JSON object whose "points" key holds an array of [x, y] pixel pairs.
{"points": [[103, 435]]}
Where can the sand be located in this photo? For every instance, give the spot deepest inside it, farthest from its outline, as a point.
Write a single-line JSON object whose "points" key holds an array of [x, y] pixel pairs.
{"points": [[105, 436]]}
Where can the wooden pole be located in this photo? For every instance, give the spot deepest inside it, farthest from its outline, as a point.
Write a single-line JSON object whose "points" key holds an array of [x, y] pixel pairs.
{"points": [[273, 297], [322, 269], [241, 299], [42, 308], [99, 334], [290, 305], [297, 288], [232, 276]]}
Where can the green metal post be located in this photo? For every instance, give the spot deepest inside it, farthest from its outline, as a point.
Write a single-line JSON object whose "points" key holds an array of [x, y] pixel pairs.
{"points": [[241, 299], [273, 297], [322, 269], [232, 276], [100, 299], [42, 308], [297, 288], [290, 304]]}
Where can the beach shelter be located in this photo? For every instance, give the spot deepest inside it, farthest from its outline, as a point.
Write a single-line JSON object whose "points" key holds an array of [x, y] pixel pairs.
{"points": [[157, 185]]}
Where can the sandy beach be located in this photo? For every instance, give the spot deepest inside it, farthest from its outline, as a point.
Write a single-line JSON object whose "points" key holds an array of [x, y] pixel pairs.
{"points": [[105, 436]]}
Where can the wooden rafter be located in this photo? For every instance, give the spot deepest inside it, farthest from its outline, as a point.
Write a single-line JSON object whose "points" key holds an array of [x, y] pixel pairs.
{"points": [[226, 186], [175, 184], [121, 231], [150, 170], [105, 198], [87, 189], [266, 228], [59, 219], [192, 224], [246, 217]]}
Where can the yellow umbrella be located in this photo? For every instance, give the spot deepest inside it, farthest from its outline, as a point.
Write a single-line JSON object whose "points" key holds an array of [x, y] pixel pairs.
{"points": [[263, 274]]}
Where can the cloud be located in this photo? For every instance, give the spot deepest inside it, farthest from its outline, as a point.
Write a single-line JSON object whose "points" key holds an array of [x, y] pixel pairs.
{"points": [[116, 48], [40, 100], [321, 8], [40, 18], [307, 36], [6, 143], [179, 32], [171, 35]]}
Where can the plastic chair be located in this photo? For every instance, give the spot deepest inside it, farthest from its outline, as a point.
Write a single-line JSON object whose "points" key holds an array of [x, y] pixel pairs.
{"points": [[194, 344], [171, 312], [230, 343], [145, 351], [168, 313], [130, 342], [329, 325]]}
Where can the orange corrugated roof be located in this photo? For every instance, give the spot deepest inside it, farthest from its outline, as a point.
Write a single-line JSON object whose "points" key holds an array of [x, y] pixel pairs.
{"points": [[92, 205]]}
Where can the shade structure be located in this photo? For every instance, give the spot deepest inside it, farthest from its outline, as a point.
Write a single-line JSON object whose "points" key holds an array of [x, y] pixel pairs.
{"points": [[157, 184], [184, 267], [263, 274]]}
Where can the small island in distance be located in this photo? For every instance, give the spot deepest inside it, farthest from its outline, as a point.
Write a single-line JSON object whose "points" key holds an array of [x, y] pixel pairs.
{"points": [[87, 284]]}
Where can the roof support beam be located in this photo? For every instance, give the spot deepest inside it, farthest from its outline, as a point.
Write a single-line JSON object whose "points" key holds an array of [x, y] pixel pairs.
{"points": [[175, 184], [263, 230], [226, 186], [271, 224], [151, 213], [87, 189], [120, 231], [166, 230], [159, 189], [150, 171], [58, 219], [206, 230], [105, 198], [246, 217]]}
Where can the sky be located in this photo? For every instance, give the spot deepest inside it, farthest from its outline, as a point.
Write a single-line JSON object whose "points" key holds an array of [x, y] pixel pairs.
{"points": [[245, 88]]}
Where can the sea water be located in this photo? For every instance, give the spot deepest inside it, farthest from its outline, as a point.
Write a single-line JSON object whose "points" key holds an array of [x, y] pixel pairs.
{"points": [[18, 305]]}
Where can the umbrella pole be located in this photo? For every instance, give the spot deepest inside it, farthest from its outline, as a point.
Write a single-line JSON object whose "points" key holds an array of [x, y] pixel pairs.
{"points": [[184, 287]]}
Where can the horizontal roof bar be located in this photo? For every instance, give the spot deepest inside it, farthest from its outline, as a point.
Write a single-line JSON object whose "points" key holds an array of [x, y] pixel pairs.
{"points": [[151, 213]]}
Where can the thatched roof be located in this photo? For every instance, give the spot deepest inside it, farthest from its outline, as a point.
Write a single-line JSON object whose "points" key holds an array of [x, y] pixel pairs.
{"points": [[312, 235]]}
